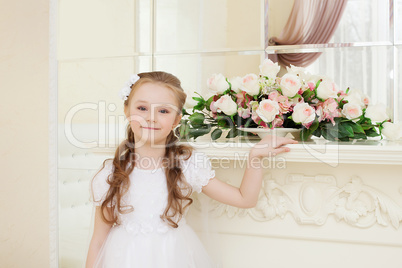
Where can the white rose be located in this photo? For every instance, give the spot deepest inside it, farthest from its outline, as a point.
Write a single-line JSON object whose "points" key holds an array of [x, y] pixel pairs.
{"points": [[355, 96], [267, 110], [217, 83], [352, 110], [190, 102], [299, 71], [226, 105], [392, 131], [236, 83], [377, 113], [303, 113], [269, 69], [251, 84], [290, 85], [313, 79], [327, 89]]}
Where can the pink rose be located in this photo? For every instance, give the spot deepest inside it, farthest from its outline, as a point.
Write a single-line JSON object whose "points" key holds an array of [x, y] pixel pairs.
{"points": [[217, 83], [311, 86], [352, 110], [290, 85], [269, 69], [277, 122], [244, 112], [213, 107], [273, 95], [327, 89], [303, 113], [328, 110], [226, 105], [267, 110], [284, 104], [366, 100], [251, 84]]}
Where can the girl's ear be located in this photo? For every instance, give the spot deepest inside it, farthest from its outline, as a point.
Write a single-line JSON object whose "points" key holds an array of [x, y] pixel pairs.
{"points": [[177, 121]]}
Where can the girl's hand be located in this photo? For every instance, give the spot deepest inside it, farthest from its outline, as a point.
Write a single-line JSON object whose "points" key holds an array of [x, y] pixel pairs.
{"points": [[271, 146]]}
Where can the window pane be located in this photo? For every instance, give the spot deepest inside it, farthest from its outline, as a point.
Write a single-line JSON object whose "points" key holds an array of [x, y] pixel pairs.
{"points": [[183, 25], [194, 69]]}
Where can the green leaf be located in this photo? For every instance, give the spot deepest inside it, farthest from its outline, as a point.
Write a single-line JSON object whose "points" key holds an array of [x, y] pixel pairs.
{"points": [[197, 119], [184, 129], [356, 128], [317, 132], [306, 133], [216, 134], [298, 96], [307, 95], [184, 112], [326, 134], [334, 132], [232, 133], [316, 86], [199, 106], [360, 136], [197, 132], [224, 121], [346, 130], [198, 99], [372, 132], [208, 103]]}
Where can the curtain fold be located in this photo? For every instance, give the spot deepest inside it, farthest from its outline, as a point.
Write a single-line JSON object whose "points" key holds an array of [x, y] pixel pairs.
{"points": [[310, 22]]}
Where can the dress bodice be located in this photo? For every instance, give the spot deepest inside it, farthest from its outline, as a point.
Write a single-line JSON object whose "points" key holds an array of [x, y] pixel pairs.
{"points": [[148, 193], [149, 197]]}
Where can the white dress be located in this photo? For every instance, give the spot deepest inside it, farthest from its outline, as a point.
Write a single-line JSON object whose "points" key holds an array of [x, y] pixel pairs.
{"points": [[143, 239]]}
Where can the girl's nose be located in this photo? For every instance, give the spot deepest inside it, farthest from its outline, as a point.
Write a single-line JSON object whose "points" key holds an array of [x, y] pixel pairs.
{"points": [[151, 116]]}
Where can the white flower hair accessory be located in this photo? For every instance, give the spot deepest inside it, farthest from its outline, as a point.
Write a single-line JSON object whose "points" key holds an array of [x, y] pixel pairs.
{"points": [[125, 91]]}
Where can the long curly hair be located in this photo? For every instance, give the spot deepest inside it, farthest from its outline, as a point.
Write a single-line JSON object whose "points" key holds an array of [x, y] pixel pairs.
{"points": [[179, 190]]}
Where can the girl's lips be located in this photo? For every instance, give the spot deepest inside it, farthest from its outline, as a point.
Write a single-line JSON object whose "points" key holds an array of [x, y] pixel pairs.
{"points": [[151, 128]]}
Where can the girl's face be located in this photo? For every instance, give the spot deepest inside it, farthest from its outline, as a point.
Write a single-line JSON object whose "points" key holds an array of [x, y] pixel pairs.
{"points": [[152, 112]]}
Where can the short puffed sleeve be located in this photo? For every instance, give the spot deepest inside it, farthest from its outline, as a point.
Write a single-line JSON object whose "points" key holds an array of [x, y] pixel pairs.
{"points": [[197, 170], [99, 186]]}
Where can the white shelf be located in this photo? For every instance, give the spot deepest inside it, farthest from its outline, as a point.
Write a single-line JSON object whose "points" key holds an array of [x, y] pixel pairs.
{"points": [[370, 152], [318, 151], [313, 48]]}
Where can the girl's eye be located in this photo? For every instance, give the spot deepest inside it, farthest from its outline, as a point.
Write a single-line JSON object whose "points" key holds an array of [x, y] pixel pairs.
{"points": [[141, 108], [164, 111]]}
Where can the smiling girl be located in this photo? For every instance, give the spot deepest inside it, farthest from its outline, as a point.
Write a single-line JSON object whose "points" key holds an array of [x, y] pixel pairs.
{"points": [[143, 194]]}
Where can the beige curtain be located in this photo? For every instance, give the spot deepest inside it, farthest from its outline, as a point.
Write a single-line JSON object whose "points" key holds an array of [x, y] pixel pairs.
{"points": [[310, 22]]}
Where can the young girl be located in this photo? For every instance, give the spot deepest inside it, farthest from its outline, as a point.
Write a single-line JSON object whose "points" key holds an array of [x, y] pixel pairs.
{"points": [[143, 194]]}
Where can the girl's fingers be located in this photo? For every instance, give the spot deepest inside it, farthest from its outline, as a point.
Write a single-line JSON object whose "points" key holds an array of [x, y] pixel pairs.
{"points": [[286, 141], [280, 150]]}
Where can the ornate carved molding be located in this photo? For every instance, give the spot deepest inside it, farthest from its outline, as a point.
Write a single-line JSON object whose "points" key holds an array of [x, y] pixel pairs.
{"points": [[312, 199]]}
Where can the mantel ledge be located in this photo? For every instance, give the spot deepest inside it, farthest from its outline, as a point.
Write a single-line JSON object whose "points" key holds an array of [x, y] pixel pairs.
{"points": [[378, 152]]}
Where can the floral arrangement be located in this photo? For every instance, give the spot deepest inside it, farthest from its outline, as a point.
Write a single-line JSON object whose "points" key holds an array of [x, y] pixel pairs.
{"points": [[298, 99]]}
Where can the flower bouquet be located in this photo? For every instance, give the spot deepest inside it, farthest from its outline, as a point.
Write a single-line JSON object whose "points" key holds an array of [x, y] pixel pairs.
{"points": [[297, 100]]}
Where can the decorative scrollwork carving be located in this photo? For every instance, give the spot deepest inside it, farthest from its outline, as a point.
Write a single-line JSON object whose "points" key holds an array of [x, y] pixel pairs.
{"points": [[312, 199]]}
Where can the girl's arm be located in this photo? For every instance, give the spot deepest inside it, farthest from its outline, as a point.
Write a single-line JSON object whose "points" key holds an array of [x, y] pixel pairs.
{"points": [[247, 195], [101, 230]]}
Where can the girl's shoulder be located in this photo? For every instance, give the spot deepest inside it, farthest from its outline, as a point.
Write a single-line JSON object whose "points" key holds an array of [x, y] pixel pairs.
{"points": [[106, 168], [197, 170]]}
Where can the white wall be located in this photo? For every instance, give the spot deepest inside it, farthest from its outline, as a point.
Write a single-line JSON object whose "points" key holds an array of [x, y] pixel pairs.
{"points": [[24, 198]]}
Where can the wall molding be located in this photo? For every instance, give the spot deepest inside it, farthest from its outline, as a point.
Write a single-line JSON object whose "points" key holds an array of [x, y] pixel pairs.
{"points": [[312, 199]]}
